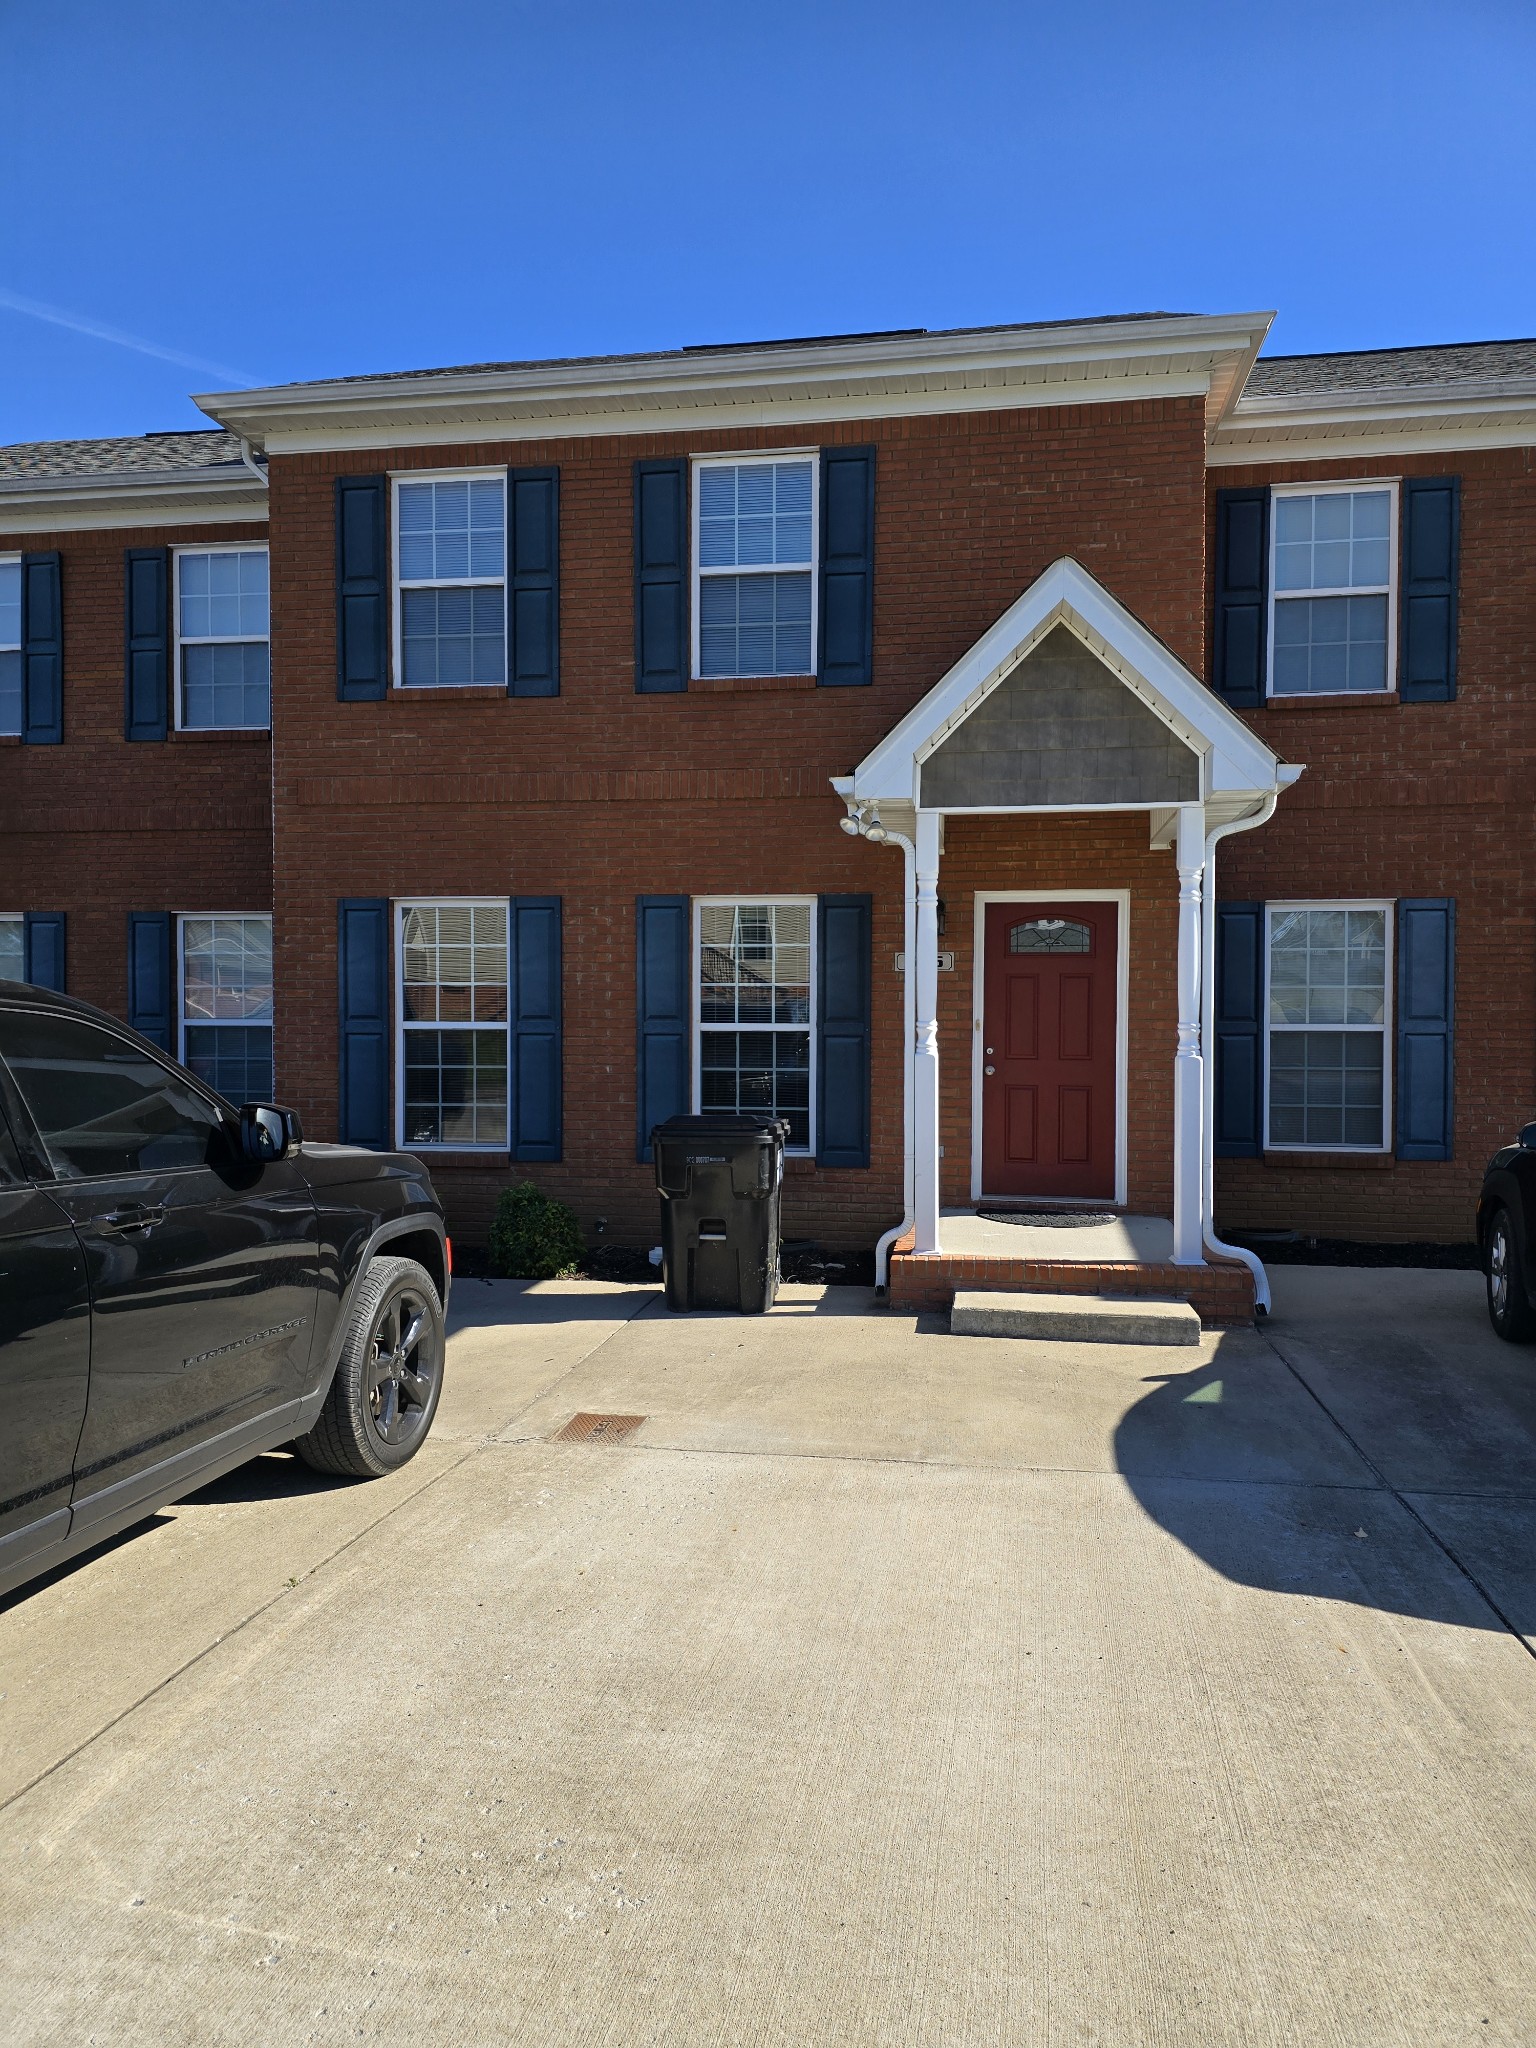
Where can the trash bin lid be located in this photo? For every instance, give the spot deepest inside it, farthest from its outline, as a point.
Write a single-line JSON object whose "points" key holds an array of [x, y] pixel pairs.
{"points": [[721, 1126]]}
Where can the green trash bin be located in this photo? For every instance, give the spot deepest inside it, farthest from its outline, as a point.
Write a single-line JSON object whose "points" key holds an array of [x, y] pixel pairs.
{"points": [[719, 1177]]}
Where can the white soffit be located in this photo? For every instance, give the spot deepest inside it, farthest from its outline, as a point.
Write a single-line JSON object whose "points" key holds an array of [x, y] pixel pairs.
{"points": [[1090, 362], [175, 497], [1237, 761], [1495, 413]]}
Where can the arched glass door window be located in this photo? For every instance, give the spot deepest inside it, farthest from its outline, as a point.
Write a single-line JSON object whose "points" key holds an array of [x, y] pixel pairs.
{"points": [[1050, 935]]}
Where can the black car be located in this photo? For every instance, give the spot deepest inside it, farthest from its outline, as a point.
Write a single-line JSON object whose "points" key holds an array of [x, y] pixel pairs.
{"points": [[1506, 1218], [184, 1284]]}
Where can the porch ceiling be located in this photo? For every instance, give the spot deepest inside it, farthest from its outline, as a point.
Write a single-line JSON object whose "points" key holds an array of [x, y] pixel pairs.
{"points": [[1235, 765]]}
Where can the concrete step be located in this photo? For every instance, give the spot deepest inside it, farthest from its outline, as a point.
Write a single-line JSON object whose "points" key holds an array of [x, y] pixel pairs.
{"points": [[1074, 1318]]}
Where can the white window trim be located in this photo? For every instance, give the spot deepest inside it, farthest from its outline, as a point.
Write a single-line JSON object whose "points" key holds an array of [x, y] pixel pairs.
{"points": [[183, 918], [397, 584], [14, 646], [1389, 589], [1385, 1027], [698, 572], [398, 907], [696, 1005], [231, 547]]}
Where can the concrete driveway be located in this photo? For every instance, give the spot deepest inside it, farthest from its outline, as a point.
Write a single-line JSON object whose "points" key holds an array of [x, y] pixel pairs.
{"points": [[882, 1687]]}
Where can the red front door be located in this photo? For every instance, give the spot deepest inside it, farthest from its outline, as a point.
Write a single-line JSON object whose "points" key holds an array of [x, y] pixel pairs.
{"points": [[1048, 1050]]}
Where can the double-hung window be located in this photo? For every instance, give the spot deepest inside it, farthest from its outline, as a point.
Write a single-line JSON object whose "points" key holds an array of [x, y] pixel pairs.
{"points": [[226, 1004], [754, 548], [1333, 624], [1327, 1022], [13, 948], [755, 968], [451, 965], [10, 645], [451, 580], [223, 663]]}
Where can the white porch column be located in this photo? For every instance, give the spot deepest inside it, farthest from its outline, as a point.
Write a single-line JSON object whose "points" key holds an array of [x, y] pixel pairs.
{"points": [[1188, 1066], [925, 1060]]}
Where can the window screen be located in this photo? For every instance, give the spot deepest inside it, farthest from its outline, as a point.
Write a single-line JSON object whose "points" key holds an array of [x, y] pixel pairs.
{"points": [[221, 629], [1327, 1027], [755, 550], [1332, 583], [453, 1010], [755, 1011], [226, 1004], [452, 565]]}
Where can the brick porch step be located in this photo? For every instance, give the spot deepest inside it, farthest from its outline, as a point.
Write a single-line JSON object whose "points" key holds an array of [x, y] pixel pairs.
{"points": [[1074, 1318], [1220, 1292]]}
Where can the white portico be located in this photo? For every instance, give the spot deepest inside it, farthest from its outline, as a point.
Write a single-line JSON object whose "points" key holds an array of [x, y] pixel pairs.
{"points": [[1067, 706]]}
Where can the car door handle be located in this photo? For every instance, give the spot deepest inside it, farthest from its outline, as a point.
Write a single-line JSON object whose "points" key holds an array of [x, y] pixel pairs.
{"points": [[133, 1216]]}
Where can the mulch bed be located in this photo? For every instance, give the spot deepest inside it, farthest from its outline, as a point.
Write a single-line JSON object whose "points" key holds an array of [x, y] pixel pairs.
{"points": [[1293, 1249]]}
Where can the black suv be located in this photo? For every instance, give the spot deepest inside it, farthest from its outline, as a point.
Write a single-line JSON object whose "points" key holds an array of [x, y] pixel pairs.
{"points": [[1506, 1217], [184, 1284]]}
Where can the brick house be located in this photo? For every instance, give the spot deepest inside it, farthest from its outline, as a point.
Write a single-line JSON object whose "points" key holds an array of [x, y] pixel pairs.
{"points": [[462, 755]]}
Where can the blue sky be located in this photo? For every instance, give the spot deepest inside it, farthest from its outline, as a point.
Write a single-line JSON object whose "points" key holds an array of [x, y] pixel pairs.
{"points": [[302, 190]]}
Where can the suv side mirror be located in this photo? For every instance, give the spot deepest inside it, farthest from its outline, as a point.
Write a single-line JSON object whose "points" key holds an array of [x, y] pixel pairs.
{"points": [[268, 1133], [1528, 1138]]}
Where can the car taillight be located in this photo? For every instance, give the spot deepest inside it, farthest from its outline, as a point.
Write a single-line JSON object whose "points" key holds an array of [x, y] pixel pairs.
{"points": [[448, 1246]]}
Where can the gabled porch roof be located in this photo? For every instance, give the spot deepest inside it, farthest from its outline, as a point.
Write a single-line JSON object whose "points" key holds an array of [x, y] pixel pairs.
{"points": [[1236, 765]]}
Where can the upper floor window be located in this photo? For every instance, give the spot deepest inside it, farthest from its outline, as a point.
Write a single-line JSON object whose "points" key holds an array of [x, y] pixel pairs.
{"points": [[754, 608], [755, 1008], [1333, 624], [10, 645], [223, 666], [1327, 1024], [226, 1004], [452, 969], [13, 949], [451, 580]]}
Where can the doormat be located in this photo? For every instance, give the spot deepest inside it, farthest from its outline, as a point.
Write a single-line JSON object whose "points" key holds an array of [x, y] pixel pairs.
{"points": [[1046, 1219]]}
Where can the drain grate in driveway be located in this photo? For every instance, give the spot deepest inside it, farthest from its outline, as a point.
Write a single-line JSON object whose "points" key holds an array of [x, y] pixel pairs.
{"points": [[598, 1429]]}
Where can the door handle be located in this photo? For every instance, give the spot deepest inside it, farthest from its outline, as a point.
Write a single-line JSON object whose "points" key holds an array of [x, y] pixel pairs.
{"points": [[133, 1216], [989, 1070]]}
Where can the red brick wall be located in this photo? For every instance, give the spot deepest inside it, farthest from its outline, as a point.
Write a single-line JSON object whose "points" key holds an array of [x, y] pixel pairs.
{"points": [[98, 826], [600, 794], [1418, 800]]}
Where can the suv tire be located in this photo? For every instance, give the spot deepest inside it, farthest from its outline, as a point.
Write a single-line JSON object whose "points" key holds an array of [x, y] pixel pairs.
{"points": [[388, 1378], [1509, 1305]]}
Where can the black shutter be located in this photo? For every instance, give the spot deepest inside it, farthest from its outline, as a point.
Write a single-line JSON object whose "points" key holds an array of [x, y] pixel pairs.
{"points": [[151, 955], [845, 650], [1242, 596], [42, 933], [1239, 1048], [147, 637], [661, 579], [534, 958], [662, 1014], [362, 588], [1426, 1026], [1431, 554], [843, 1030], [362, 972], [42, 651], [533, 582]]}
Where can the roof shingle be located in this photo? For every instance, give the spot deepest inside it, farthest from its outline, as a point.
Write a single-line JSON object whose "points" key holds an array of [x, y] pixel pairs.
{"points": [[140, 454]]}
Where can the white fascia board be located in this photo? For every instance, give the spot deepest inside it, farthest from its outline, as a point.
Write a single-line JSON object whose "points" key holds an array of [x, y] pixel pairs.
{"points": [[1081, 364], [129, 498], [1240, 442], [1236, 759]]}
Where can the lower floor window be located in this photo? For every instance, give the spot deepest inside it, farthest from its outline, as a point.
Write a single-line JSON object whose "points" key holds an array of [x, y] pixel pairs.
{"points": [[226, 1004], [13, 950], [452, 967], [754, 966], [1327, 1023]]}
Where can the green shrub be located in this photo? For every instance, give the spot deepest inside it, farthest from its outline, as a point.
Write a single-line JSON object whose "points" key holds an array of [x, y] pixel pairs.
{"points": [[534, 1237]]}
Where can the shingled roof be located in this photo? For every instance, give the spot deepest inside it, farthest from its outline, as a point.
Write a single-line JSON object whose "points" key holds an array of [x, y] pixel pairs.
{"points": [[1392, 369], [142, 454]]}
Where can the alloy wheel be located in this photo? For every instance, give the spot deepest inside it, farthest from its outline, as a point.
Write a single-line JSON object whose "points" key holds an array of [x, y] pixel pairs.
{"points": [[402, 1372]]}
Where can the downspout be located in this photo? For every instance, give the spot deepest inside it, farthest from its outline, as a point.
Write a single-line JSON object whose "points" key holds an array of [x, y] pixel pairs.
{"points": [[250, 461], [863, 821], [1213, 1243]]}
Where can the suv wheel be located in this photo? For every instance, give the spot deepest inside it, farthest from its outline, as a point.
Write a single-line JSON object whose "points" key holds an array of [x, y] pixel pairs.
{"points": [[1509, 1307], [388, 1378]]}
